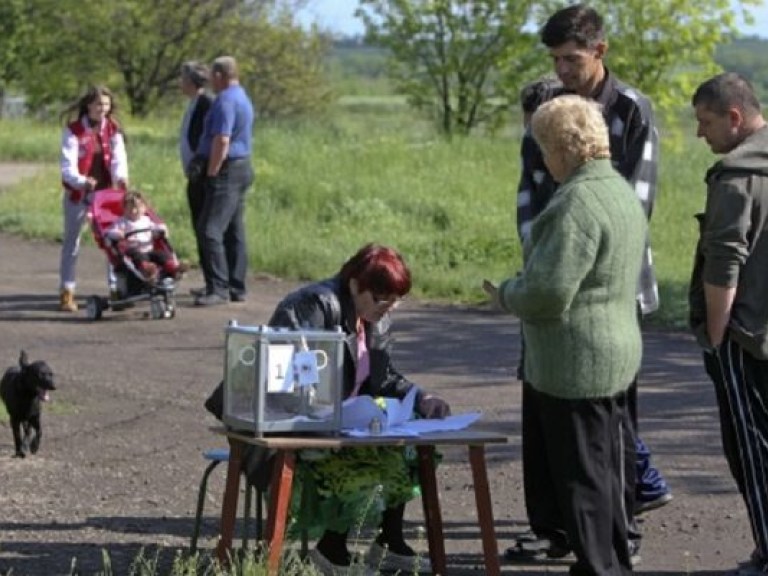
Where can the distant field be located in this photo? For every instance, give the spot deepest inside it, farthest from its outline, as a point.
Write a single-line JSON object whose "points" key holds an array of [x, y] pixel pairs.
{"points": [[370, 171]]}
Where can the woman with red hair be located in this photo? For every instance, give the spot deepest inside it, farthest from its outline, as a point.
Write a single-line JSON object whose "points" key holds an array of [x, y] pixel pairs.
{"points": [[341, 487]]}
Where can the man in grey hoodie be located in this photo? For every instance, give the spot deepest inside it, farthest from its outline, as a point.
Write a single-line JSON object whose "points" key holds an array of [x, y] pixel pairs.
{"points": [[729, 288]]}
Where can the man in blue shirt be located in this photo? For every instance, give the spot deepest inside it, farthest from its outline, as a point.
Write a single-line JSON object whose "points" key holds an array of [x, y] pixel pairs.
{"points": [[226, 145]]}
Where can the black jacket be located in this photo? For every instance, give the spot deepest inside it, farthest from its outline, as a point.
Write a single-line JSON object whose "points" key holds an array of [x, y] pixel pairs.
{"points": [[328, 304], [197, 120]]}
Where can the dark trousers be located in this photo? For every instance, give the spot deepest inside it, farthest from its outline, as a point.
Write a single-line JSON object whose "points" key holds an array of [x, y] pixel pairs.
{"points": [[582, 463], [741, 387], [542, 509], [221, 230], [195, 198]]}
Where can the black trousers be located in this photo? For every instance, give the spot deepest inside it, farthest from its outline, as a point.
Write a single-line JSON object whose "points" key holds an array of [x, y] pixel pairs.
{"points": [[741, 387], [195, 199], [584, 454]]}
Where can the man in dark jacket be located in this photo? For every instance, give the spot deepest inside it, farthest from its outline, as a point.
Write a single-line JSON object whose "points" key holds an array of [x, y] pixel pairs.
{"points": [[194, 79], [729, 287]]}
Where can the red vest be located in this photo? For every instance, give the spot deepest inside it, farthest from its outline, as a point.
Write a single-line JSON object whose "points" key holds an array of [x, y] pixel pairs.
{"points": [[86, 144]]}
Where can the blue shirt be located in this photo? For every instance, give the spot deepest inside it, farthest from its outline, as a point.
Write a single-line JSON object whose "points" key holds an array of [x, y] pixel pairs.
{"points": [[231, 115]]}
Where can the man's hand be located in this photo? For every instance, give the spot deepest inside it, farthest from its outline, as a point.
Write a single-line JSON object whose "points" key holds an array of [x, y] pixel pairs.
{"points": [[433, 407]]}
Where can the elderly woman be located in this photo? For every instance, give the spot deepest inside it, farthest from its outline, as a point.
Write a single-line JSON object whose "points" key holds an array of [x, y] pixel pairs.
{"points": [[576, 300]]}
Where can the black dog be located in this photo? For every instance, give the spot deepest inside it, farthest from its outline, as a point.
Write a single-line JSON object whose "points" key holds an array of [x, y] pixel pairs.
{"points": [[22, 389]]}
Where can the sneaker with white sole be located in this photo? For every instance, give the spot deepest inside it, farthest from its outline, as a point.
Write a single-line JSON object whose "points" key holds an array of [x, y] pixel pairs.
{"points": [[382, 559], [643, 506]]}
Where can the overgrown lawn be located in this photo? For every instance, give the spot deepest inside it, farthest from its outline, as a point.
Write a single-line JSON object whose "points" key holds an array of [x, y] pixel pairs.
{"points": [[373, 171]]}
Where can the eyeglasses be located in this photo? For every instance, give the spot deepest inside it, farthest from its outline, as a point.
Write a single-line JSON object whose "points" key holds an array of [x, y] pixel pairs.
{"points": [[383, 301]]}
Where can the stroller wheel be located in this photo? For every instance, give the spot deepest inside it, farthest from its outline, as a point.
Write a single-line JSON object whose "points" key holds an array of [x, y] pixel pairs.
{"points": [[94, 307], [157, 309]]}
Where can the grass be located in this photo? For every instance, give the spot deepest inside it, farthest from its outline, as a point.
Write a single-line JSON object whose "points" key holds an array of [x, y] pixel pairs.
{"points": [[181, 564], [370, 172]]}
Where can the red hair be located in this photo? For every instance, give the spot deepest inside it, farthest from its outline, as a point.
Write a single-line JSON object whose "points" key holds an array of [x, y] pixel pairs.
{"points": [[378, 269]]}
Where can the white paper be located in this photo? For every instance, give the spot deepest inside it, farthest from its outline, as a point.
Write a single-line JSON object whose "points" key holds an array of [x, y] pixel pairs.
{"points": [[305, 365], [422, 426], [358, 411], [280, 375], [400, 411], [447, 424]]}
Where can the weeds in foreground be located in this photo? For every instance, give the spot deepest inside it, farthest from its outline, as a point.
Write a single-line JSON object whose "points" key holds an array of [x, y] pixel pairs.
{"points": [[248, 563]]}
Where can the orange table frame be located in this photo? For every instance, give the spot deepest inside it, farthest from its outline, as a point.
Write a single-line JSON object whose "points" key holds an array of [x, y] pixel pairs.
{"points": [[282, 480]]}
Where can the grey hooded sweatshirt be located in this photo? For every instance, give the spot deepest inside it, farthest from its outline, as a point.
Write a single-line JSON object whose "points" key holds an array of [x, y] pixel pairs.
{"points": [[733, 244]]}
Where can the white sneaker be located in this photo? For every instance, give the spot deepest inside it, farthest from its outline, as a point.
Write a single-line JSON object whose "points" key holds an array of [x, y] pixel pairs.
{"points": [[380, 558], [328, 568]]}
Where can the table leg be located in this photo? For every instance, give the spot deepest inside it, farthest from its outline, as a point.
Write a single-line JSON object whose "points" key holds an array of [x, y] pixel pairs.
{"points": [[431, 503], [484, 510], [280, 500], [229, 505]]}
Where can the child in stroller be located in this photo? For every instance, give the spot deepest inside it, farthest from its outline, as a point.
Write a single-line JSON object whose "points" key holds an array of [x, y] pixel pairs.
{"points": [[135, 241], [136, 235]]}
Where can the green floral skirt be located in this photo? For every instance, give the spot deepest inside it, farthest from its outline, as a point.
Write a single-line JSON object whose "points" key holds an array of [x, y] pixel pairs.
{"points": [[343, 490]]}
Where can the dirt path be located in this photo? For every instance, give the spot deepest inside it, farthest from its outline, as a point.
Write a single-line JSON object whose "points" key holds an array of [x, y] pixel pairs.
{"points": [[121, 457]]}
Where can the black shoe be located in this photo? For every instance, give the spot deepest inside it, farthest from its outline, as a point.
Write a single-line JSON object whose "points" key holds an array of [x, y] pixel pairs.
{"points": [[532, 548], [643, 506], [237, 296], [210, 300]]}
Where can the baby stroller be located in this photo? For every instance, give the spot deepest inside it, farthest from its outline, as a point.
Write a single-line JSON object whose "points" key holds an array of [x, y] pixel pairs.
{"points": [[132, 286]]}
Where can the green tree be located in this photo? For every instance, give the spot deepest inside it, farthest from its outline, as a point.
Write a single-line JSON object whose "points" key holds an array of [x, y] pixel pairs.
{"points": [[13, 28], [138, 46], [282, 66], [453, 56], [135, 46]]}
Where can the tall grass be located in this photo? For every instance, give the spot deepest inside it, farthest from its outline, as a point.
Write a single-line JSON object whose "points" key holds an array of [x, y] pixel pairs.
{"points": [[244, 563], [370, 172]]}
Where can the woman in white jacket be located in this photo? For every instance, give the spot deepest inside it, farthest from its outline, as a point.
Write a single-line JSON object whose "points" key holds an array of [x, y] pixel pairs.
{"points": [[93, 157]]}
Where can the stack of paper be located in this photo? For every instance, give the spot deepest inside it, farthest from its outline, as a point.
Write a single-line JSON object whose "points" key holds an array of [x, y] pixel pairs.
{"points": [[395, 419]]}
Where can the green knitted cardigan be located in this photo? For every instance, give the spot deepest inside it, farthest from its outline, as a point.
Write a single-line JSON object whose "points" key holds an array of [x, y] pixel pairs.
{"points": [[576, 294]]}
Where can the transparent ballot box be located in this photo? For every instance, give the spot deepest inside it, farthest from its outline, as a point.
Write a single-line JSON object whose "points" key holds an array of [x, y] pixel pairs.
{"points": [[280, 380]]}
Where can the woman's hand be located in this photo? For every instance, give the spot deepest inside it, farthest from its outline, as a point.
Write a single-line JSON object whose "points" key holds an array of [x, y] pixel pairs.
{"points": [[433, 407]]}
